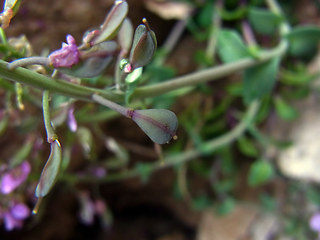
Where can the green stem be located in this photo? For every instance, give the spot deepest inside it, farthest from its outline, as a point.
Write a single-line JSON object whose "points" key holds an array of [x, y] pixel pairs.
{"points": [[76, 91], [210, 147], [58, 86], [3, 36], [51, 135], [209, 74], [214, 30]]}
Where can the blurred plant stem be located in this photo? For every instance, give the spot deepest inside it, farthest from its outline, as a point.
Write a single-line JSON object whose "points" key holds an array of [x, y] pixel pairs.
{"points": [[172, 160], [76, 91], [214, 30]]}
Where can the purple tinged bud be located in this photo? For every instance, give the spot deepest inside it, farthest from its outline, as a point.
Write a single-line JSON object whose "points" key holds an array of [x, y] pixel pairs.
{"points": [[14, 178], [13, 217], [67, 56], [87, 211], [20, 211], [72, 122], [9, 222], [314, 222]]}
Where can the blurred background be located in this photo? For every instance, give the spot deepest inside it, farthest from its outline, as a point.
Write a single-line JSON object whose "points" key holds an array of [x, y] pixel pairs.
{"points": [[263, 185]]}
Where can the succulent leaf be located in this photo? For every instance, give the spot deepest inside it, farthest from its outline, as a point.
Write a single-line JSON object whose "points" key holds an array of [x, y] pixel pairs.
{"points": [[159, 124], [50, 171]]}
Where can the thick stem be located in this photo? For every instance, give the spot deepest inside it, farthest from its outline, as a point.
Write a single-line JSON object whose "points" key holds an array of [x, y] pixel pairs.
{"points": [[208, 74], [29, 61], [114, 106]]}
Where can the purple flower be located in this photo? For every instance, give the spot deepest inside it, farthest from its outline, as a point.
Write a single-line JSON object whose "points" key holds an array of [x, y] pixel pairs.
{"points": [[15, 177], [72, 122], [90, 208], [87, 211], [314, 222], [14, 216], [67, 56]]}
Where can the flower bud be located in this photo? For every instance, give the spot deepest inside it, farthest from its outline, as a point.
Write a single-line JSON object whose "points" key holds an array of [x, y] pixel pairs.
{"points": [[94, 61]]}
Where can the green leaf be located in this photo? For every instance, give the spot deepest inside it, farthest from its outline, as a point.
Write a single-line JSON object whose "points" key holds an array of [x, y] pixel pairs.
{"points": [[21, 154], [304, 41], [226, 206], [247, 147], [145, 171], [296, 78], [231, 47], [259, 80], [260, 172], [284, 110], [50, 171], [263, 21], [201, 202]]}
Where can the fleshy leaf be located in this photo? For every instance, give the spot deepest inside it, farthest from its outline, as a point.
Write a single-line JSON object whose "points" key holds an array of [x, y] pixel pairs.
{"points": [[264, 21], [143, 47], [284, 110], [260, 172], [303, 41], [231, 47], [50, 171], [159, 124], [112, 22], [259, 80]]}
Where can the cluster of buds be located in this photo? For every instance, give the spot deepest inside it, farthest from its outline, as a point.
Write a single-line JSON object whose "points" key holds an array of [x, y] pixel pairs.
{"points": [[100, 46]]}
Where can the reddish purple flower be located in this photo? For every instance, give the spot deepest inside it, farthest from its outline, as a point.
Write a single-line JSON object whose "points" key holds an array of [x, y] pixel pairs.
{"points": [[14, 177], [314, 222], [91, 208], [14, 216], [87, 211], [72, 122], [67, 56]]}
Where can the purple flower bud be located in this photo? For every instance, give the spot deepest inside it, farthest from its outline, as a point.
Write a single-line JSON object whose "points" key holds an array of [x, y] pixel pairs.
{"points": [[13, 217], [10, 222], [87, 211], [314, 222], [15, 177], [67, 56], [72, 122], [20, 211], [99, 172]]}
